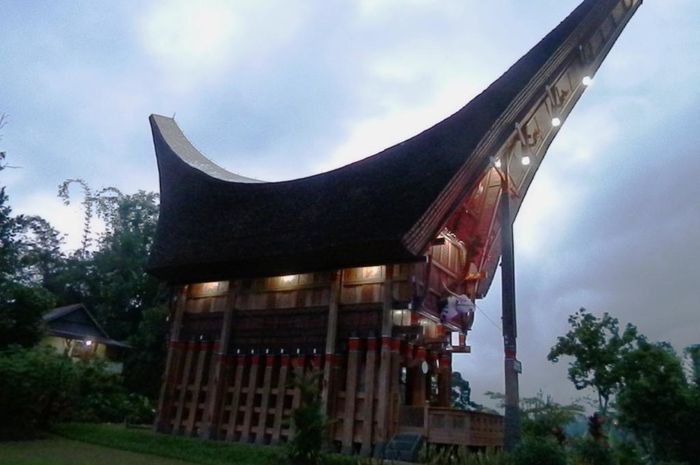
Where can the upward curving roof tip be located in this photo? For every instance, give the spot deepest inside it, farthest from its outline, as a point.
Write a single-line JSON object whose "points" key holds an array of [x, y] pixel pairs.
{"points": [[179, 144]]}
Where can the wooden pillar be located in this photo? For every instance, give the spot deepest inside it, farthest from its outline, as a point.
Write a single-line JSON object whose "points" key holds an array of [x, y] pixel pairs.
{"points": [[418, 381], [368, 409], [384, 386], [173, 364], [445, 380], [279, 403], [211, 421], [236, 397], [265, 399], [395, 372], [250, 397], [202, 351], [510, 332], [184, 386], [298, 363], [350, 395], [328, 383]]}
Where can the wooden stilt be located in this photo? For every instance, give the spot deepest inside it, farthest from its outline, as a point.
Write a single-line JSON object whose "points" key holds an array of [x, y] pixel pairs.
{"points": [[202, 351], [184, 386], [280, 400], [298, 363], [445, 380], [350, 396], [368, 408], [327, 386], [384, 385], [250, 397], [236, 398], [211, 421], [265, 399], [163, 421]]}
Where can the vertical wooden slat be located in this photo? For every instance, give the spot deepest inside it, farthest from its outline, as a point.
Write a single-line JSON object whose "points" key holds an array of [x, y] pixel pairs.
{"points": [[394, 402], [236, 398], [203, 352], [250, 397], [350, 395], [265, 399], [445, 380], [184, 386], [383, 389], [172, 365], [368, 410], [211, 420], [281, 396]]}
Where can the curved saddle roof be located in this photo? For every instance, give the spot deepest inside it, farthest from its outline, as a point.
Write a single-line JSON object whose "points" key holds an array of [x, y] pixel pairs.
{"points": [[383, 209]]}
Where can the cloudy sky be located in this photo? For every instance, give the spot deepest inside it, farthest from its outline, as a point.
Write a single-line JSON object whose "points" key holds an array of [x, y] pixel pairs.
{"points": [[281, 89]]}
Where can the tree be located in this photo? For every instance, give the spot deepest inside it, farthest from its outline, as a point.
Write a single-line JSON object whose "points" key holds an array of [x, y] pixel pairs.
{"points": [[461, 392], [597, 345], [658, 403]]}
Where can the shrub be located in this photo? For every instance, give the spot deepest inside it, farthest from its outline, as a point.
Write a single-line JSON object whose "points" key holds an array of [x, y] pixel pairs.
{"points": [[37, 387], [309, 425], [538, 452]]}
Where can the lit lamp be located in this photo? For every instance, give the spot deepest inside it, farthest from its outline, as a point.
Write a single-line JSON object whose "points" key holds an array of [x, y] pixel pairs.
{"points": [[587, 81], [525, 160], [88, 343], [556, 122]]}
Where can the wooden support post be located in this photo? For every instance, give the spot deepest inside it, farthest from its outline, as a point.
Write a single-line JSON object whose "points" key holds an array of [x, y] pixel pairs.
{"points": [[418, 385], [265, 399], [394, 401], [384, 387], [184, 386], [250, 397], [445, 380], [163, 421], [350, 396], [202, 350], [298, 363], [236, 398], [510, 332], [281, 396], [211, 420], [327, 386], [368, 408]]}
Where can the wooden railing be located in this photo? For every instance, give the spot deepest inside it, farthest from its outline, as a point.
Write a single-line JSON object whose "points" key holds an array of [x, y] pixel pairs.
{"points": [[440, 425]]}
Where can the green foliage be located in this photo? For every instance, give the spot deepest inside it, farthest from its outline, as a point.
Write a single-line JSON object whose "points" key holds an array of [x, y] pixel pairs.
{"points": [[658, 404], [309, 425], [461, 392], [541, 417], [596, 345], [145, 362], [39, 387], [538, 452], [590, 452], [21, 308]]}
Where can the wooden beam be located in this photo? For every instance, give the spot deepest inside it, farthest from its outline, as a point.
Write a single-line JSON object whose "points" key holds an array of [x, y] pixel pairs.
{"points": [[202, 350]]}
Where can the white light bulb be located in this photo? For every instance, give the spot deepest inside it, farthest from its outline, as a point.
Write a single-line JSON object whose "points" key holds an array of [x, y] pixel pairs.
{"points": [[525, 160], [88, 343], [587, 81], [497, 163], [556, 122]]}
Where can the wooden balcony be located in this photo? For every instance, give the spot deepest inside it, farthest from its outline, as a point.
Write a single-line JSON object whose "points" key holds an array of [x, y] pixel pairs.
{"points": [[442, 425]]}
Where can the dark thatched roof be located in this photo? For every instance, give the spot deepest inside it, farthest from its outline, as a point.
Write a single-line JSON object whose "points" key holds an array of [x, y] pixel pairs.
{"points": [[76, 322], [383, 209]]}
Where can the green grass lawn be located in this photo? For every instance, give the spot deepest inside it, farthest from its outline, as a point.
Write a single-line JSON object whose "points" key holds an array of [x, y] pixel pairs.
{"points": [[174, 447], [104, 444], [61, 451]]}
